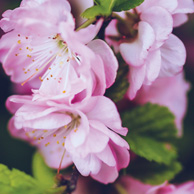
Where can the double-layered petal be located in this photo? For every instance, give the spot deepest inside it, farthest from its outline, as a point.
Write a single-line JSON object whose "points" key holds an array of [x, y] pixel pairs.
{"points": [[153, 51], [51, 51], [84, 133]]}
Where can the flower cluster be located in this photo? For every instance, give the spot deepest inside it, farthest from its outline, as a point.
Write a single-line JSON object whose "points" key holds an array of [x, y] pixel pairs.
{"points": [[66, 69], [67, 117]]}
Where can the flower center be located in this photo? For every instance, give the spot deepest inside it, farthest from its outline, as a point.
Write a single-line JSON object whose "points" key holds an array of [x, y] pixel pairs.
{"points": [[41, 55], [56, 136]]}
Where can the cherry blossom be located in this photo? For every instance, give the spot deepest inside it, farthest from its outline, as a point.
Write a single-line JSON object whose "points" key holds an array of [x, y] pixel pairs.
{"points": [[83, 133], [144, 38], [55, 52]]}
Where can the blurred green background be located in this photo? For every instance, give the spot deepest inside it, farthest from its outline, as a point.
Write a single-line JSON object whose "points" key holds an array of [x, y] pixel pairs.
{"points": [[18, 154]]}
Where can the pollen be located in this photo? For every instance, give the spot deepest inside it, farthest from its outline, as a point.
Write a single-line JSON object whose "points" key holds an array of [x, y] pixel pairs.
{"points": [[42, 137], [57, 142], [20, 49], [33, 131], [45, 131], [34, 138], [54, 135], [29, 56], [51, 75], [25, 72], [64, 92], [40, 78], [16, 55], [65, 126], [37, 69], [63, 144], [75, 130], [47, 144], [19, 41]]}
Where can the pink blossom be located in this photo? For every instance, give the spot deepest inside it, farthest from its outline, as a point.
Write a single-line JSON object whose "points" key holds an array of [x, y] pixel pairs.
{"points": [[132, 185], [55, 51], [85, 132], [178, 9], [148, 47], [170, 92], [129, 185]]}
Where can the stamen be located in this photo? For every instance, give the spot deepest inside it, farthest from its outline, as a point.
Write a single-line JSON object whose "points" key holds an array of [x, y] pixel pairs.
{"points": [[58, 171], [39, 70]]}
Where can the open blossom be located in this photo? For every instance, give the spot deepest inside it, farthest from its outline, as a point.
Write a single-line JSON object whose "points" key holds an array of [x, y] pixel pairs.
{"points": [[132, 186], [147, 44], [129, 185], [50, 49], [170, 92], [178, 9], [85, 133]]}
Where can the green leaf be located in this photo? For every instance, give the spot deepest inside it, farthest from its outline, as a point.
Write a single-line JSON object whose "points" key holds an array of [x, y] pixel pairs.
{"points": [[151, 149], [103, 8], [124, 5], [151, 133], [153, 173], [117, 91], [94, 11], [106, 7], [41, 171], [17, 182]]}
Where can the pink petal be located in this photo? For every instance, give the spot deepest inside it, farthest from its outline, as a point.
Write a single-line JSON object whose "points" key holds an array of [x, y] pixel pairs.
{"points": [[162, 23], [173, 56], [105, 111], [153, 65], [90, 164], [107, 156], [106, 174], [88, 146], [109, 60], [136, 52], [53, 155], [136, 79], [179, 19]]}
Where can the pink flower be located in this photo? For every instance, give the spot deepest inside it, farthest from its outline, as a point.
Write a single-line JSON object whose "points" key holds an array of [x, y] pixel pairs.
{"points": [[178, 9], [55, 52], [85, 132], [146, 44], [132, 185], [170, 92], [129, 185]]}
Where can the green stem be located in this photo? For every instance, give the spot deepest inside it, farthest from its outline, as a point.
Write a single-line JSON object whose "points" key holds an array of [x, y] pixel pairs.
{"points": [[118, 17], [86, 24]]}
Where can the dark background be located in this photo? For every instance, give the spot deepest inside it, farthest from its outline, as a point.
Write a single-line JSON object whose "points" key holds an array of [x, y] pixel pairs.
{"points": [[17, 154]]}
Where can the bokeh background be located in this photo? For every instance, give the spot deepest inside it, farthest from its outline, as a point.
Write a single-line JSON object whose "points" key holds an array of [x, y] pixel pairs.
{"points": [[17, 154]]}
